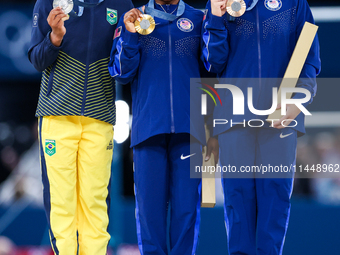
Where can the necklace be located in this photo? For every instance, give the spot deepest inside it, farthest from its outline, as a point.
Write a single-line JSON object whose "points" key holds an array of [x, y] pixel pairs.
{"points": [[165, 10]]}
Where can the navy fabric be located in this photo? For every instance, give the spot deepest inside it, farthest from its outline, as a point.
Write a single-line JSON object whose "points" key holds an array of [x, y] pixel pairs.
{"points": [[257, 209], [46, 188], [163, 178], [159, 67], [258, 44]]}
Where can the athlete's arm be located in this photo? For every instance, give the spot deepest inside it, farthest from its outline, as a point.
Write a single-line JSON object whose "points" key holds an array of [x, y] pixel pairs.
{"points": [[310, 70], [125, 56], [218, 7], [56, 22], [214, 34], [47, 27], [312, 66], [213, 147]]}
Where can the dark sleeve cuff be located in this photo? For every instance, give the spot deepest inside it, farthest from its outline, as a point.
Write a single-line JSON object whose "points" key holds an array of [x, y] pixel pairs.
{"points": [[50, 44], [216, 22], [301, 96], [130, 38]]}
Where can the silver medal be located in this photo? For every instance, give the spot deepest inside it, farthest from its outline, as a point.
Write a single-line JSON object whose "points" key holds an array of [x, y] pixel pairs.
{"points": [[145, 24], [65, 5]]}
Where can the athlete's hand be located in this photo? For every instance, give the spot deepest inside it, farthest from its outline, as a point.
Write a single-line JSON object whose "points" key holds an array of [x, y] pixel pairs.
{"points": [[218, 7], [292, 112], [130, 18], [56, 21], [212, 147]]}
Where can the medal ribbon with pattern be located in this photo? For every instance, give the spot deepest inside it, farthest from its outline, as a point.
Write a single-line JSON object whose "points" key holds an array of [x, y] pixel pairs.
{"points": [[150, 9]]}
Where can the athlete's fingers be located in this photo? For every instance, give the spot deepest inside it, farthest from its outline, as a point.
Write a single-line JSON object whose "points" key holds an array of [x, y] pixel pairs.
{"points": [[292, 112], [278, 124], [278, 106], [218, 7], [132, 15], [58, 22], [223, 4], [208, 154], [140, 13], [55, 16], [219, 1], [212, 147], [52, 15], [60, 17], [130, 18], [66, 18], [137, 13], [55, 10]]}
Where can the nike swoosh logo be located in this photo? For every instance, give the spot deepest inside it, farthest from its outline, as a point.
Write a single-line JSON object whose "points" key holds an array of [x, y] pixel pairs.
{"points": [[183, 158], [284, 136]]}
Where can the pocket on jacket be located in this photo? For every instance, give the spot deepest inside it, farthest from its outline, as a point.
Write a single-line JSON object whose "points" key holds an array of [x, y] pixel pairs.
{"points": [[50, 80]]}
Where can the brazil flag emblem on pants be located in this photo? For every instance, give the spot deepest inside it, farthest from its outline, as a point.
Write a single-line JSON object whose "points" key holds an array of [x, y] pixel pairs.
{"points": [[50, 147], [111, 16]]}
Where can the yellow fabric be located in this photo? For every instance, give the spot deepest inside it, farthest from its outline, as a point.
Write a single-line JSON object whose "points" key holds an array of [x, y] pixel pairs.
{"points": [[78, 175]]}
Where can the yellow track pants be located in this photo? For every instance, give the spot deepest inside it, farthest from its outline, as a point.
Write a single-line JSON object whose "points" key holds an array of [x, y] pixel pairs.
{"points": [[76, 156]]}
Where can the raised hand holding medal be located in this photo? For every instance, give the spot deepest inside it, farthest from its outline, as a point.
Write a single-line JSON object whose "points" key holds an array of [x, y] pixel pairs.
{"points": [[55, 20], [145, 23], [136, 21], [130, 18]]}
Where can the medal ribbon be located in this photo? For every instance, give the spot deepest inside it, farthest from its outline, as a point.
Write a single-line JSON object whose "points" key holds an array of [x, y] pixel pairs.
{"points": [[81, 4], [252, 5], [150, 9], [84, 4]]}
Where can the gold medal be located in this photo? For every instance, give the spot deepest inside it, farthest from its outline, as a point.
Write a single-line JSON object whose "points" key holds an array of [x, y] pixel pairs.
{"points": [[236, 8], [146, 26]]}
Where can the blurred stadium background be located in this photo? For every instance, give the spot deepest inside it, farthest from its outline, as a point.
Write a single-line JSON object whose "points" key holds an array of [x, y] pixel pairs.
{"points": [[315, 218]]}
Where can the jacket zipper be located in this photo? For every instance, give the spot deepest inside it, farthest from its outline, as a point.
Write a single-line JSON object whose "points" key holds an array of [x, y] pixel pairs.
{"points": [[171, 88], [259, 49], [87, 61]]}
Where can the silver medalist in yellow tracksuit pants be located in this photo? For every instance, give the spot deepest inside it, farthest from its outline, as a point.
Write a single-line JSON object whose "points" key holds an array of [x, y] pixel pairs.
{"points": [[76, 156]]}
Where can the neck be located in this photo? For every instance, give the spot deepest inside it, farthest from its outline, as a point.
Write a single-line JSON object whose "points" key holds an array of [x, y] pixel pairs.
{"points": [[162, 2]]}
